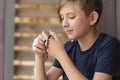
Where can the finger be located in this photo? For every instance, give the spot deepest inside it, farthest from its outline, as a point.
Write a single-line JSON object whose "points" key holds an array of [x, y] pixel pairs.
{"points": [[53, 34], [45, 35], [39, 45], [38, 40], [37, 50], [41, 37]]}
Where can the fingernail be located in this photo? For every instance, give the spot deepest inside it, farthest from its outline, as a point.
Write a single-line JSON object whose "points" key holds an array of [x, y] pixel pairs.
{"points": [[51, 32]]}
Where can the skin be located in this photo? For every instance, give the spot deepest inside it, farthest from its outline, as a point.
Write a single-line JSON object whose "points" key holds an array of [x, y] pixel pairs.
{"points": [[77, 26]]}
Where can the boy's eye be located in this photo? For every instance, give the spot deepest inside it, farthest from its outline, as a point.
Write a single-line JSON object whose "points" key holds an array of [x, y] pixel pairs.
{"points": [[72, 17]]}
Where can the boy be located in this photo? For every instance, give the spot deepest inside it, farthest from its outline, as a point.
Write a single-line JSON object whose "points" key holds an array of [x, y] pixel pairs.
{"points": [[89, 55]]}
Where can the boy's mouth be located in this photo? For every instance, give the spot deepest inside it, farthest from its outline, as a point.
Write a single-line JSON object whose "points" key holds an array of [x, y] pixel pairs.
{"points": [[69, 31]]}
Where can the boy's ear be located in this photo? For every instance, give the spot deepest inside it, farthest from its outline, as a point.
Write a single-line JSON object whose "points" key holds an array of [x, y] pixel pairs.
{"points": [[93, 18]]}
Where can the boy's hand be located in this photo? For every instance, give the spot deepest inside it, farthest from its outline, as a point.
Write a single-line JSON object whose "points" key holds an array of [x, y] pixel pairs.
{"points": [[39, 46], [55, 45]]}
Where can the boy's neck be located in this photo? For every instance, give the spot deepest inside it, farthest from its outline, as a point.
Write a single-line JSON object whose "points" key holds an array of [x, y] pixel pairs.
{"points": [[87, 42]]}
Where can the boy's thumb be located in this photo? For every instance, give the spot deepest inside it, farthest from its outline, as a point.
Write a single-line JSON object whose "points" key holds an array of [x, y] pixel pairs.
{"points": [[53, 34]]}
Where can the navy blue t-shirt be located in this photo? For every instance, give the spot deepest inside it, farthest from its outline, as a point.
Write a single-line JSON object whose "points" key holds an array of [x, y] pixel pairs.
{"points": [[103, 56]]}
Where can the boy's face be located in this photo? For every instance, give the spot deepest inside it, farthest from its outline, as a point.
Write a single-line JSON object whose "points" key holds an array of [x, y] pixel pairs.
{"points": [[74, 22]]}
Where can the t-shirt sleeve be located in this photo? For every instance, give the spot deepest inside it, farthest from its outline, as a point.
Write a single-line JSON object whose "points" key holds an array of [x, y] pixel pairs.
{"points": [[57, 64], [108, 60]]}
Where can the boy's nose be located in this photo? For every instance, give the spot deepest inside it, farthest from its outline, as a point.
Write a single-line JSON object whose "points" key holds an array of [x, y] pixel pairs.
{"points": [[65, 23]]}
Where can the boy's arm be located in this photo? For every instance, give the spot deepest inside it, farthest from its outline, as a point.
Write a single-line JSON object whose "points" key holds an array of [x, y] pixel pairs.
{"points": [[54, 73], [102, 76], [39, 69]]}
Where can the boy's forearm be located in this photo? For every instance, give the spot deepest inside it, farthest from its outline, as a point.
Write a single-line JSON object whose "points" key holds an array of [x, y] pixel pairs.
{"points": [[39, 70], [71, 71]]}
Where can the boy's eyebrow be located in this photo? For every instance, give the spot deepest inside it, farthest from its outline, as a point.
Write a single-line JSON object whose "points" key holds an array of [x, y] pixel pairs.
{"points": [[68, 13]]}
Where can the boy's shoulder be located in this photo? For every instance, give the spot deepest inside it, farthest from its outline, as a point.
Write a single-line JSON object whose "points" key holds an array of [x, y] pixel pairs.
{"points": [[104, 40], [108, 40]]}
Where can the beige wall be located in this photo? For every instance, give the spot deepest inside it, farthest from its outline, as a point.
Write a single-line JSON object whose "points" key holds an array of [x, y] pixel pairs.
{"points": [[118, 18], [1, 37]]}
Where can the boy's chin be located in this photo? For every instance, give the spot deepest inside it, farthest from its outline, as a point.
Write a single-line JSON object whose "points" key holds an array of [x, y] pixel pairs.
{"points": [[72, 38]]}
